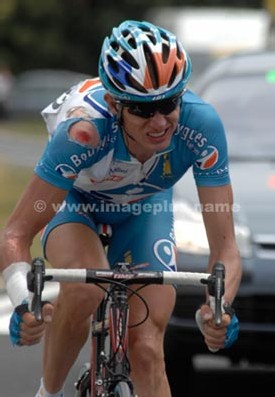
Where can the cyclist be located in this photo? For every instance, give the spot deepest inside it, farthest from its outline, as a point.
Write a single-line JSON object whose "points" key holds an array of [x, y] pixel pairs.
{"points": [[118, 144]]}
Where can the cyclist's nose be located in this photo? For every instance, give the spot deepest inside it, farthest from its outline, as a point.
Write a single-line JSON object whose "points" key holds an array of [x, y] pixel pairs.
{"points": [[158, 119]]}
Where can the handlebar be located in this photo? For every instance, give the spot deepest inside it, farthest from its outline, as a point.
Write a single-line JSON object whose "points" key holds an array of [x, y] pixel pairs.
{"points": [[38, 275]]}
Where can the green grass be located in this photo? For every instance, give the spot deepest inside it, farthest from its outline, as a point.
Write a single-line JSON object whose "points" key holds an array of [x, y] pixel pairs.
{"points": [[13, 181], [34, 126]]}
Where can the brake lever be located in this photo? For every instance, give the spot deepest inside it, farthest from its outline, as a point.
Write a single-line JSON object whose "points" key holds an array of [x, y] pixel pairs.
{"points": [[216, 290], [35, 282]]}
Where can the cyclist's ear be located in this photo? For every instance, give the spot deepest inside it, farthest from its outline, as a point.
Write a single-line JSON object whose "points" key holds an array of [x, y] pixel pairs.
{"points": [[112, 105]]}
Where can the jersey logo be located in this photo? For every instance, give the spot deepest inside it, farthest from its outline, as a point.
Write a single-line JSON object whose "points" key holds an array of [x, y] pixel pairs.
{"points": [[208, 159], [165, 251], [66, 171], [167, 171]]}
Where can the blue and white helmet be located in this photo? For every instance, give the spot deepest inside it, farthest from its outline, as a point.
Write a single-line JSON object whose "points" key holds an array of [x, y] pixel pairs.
{"points": [[143, 62]]}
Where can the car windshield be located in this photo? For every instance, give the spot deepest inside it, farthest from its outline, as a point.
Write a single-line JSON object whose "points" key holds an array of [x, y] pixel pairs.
{"points": [[246, 105]]}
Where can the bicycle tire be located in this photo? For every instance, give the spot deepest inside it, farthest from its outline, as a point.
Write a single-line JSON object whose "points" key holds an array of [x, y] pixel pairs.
{"points": [[122, 389]]}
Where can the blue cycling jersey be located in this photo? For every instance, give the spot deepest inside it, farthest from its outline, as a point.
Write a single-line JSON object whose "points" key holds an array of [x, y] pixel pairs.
{"points": [[108, 172], [107, 185]]}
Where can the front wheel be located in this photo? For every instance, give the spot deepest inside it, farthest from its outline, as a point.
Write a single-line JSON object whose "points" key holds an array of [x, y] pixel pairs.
{"points": [[122, 389]]}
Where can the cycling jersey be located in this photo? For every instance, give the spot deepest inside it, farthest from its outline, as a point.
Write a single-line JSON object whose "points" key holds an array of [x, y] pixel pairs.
{"points": [[108, 172], [110, 183]]}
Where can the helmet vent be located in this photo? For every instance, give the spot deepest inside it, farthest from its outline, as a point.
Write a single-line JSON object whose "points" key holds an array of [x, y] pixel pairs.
{"points": [[152, 38], [118, 83], [132, 43], [136, 85], [152, 67], [165, 52], [129, 38], [173, 76], [179, 52], [114, 45], [113, 64], [129, 59]]}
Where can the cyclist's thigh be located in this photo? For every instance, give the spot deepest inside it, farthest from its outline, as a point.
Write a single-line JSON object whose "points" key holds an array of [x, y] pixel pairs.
{"points": [[146, 237], [70, 239]]}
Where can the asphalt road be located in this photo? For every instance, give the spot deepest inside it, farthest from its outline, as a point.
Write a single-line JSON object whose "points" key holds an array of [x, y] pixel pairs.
{"points": [[20, 372], [20, 369]]}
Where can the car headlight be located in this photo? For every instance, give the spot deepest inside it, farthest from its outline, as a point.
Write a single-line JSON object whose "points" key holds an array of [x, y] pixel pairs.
{"points": [[189, 229], [244, 240], [191, 235]]}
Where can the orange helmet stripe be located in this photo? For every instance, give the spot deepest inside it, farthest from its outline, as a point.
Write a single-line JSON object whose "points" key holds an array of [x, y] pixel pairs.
{"points": [[164, 70]]}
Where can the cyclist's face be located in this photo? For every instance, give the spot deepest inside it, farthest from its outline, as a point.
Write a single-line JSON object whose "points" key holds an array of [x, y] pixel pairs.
{"points": [[150, 134]]}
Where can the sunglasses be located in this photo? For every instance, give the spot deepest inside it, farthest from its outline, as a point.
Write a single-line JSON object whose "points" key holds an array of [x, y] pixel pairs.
{"points": [[147, 110]]}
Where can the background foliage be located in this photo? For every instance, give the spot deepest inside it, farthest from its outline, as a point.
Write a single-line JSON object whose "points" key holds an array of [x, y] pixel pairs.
{"points": [[69, 33]]}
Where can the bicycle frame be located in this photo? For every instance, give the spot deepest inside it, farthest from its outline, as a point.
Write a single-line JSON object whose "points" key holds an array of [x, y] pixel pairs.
{"points": [[110, 369], [109, 361]]}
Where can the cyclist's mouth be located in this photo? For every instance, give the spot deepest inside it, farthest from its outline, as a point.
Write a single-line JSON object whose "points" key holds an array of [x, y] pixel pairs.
{"points": [[157, 135]]}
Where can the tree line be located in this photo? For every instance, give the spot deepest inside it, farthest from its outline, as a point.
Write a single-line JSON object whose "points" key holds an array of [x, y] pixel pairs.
{"points": [[69, 33]]}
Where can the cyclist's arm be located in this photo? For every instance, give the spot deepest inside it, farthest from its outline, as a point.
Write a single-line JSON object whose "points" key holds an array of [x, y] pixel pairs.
{"points": [[217, 204], [33, 211]]}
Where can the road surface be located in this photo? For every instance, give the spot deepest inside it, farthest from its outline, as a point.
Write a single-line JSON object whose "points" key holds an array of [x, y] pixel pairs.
{"points": [[20, 370]]}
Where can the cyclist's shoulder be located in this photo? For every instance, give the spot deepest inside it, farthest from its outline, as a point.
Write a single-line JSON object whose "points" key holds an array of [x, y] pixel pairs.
{"points": [[192, 101], [197, 113], [85, 99]]}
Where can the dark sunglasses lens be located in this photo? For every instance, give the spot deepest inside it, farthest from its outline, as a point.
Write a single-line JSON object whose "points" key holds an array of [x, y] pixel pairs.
{"points": [[140, 110], [146, 110], [169, 106]]}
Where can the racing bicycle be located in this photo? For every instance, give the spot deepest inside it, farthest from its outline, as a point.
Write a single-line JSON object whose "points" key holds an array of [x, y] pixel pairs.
{"points": [[109, 372]]}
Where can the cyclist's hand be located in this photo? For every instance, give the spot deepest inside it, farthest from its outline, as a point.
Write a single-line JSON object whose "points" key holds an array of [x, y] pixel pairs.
{"points": [[24, 328], [217, 336]]}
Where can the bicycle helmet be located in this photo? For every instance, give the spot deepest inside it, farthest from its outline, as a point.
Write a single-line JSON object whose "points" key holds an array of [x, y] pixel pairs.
{"points": [[143, 62]]}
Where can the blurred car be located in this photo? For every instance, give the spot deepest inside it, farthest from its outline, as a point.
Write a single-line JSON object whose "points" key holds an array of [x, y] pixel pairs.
{"points": [[6, 81], [242, 89], [34, 89]]}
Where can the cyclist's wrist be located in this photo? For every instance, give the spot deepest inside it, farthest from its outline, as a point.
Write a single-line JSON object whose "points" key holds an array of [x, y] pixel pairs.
{"points": [[226, 306], [15, 278], [228, 309]]}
